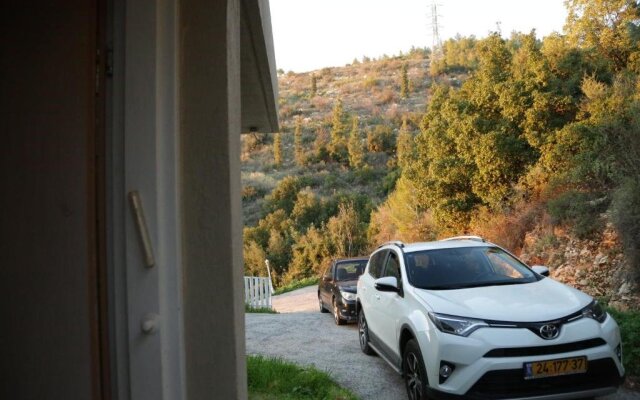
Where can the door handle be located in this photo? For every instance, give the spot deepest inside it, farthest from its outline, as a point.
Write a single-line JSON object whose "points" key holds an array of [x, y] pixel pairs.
{"points": [[141, 225], [377, 297]]}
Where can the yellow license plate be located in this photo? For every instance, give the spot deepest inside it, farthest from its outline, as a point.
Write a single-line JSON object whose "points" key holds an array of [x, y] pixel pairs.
{"points": [[547, 368]]}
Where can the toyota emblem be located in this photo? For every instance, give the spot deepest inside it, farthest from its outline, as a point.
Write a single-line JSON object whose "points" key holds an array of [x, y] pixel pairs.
{"points": [[549, 331]]}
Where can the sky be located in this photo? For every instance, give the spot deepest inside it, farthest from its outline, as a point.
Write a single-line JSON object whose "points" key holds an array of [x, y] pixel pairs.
{"points": [[313, 34]]}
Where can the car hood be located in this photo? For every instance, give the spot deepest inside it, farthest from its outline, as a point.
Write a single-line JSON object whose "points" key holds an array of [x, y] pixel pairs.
{"points": [[543, 300], [348, 286]]}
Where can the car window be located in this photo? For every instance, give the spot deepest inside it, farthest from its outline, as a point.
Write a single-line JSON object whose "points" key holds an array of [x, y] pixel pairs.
{"points": [[502, 266], [376, 263], [465, 267], [350, 270], [393, 266], [328, 274]]}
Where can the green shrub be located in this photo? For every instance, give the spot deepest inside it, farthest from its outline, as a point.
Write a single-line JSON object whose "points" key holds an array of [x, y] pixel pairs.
{"points": [[626, 217], [581, 210], [272, 378], [259, 310], [381, 138], [629, 322], [297, 284]]}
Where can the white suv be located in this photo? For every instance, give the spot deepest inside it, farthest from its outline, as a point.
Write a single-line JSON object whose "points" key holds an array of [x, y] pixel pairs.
{"points": [[464, 318]]}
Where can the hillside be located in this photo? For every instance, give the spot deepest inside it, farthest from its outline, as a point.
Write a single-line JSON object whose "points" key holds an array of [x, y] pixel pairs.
{"points": [[369, 90], [532, 143]]}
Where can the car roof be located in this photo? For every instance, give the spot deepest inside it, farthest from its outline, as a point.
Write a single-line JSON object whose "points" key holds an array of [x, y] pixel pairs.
{"points": [[363, 258], [440, 244]]}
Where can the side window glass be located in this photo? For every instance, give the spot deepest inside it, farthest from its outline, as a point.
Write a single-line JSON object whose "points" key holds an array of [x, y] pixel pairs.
{"points": [[328, 274], [393, 266], [375, 264]]}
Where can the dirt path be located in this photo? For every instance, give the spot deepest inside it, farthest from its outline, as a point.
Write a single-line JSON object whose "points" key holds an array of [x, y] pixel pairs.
{"points": [[301, 300], [303, 335]]}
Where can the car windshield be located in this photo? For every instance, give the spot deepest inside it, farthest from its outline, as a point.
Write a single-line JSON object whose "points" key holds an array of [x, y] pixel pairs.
{"points": [[465, 267], [350, 270]]}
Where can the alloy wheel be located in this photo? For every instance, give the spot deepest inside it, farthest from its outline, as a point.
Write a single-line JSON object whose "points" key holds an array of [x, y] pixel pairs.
{"points": [[362, 330], [413, 376]]}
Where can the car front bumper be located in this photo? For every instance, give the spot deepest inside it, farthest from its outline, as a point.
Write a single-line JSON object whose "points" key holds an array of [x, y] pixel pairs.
{"points": [[479, 374], [347, 310]]}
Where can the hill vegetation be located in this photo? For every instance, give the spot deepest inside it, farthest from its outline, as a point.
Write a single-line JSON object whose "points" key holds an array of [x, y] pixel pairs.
{"points": [[508, 138]]}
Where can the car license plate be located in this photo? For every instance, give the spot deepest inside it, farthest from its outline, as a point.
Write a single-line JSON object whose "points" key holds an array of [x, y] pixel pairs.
{"points": [[547, 368]]}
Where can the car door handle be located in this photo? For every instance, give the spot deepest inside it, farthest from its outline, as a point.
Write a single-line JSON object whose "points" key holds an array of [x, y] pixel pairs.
{"points": [[377, 297]]}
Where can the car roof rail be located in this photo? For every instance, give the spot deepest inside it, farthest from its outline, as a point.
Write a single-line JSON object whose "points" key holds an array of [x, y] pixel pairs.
{"points": [[465, 237], [398, 243]]}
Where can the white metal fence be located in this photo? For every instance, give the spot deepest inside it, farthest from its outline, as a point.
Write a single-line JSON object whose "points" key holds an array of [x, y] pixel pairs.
{"points": [[257, 291]]}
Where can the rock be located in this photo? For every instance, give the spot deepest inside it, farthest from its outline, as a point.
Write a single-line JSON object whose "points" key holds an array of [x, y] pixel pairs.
{"points": [[600, 259], [625, 288], [583, 282]]}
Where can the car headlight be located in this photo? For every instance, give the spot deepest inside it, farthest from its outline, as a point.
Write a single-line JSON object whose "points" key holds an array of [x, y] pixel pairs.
{"points": [[595, 311], [460, 326], [348, 295]]}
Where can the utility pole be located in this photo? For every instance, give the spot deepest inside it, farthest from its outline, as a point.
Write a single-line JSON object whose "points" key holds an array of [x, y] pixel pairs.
{"points": [[436, 42]]}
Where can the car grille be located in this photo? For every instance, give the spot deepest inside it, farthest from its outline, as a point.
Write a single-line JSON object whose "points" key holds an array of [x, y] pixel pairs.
{"points": [[505, 384], [544, 350]]}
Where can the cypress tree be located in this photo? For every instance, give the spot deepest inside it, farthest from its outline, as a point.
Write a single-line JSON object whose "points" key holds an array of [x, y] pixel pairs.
{"points": [[404, 81], [297, 143], [404, 148], [314, 85], [337, 146], [356, 145], [277, 149]]}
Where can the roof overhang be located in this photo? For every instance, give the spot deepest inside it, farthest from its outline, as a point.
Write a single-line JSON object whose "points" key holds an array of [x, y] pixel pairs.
{"points": [[259, 83]]}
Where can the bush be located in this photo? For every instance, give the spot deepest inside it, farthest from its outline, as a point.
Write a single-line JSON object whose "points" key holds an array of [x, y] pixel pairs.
{"points": [[629, 322], [626, 218], [297, 284], [581, 210], [284, 196], [381, 139]]}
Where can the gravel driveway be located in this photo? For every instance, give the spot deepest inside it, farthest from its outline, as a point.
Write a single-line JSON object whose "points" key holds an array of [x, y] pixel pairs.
{"points": [[303, 335]]}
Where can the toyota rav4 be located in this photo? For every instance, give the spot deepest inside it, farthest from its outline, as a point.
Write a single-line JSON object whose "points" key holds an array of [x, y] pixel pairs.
{"points": [[464, 318]]}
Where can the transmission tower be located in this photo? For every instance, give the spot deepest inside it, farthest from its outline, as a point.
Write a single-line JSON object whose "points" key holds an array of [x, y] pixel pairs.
{"points": [[436, 44]]}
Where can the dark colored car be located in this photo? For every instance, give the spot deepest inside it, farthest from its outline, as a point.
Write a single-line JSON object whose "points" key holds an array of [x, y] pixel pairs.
{"points": [[337, 288]]}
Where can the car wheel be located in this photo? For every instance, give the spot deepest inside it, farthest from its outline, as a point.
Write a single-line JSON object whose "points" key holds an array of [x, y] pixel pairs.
{"points": [[415, 373], [336, 314], [322, 309], [363, 333]]}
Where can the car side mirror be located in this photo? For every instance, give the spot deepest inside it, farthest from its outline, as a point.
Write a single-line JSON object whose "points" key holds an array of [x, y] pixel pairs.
{"points": [[386, 284], [540, 269]]}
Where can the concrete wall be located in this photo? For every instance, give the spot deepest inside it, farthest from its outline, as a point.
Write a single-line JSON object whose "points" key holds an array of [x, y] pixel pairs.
{"points": [[211, 205]]}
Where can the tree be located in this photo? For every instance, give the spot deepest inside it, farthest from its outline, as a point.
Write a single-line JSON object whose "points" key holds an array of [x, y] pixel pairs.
{"points": [[277, 149], [346, 232], [337, 147], [321, 144], [356, 146], [297, 143], [314, 85], [404, 81], [405, 146], [607, 26], [310, 255]]}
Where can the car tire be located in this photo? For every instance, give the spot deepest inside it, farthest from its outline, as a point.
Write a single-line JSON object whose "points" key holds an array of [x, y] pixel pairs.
{"points": [[336, 314], [321, 304], [414, 372], [363, 334]]}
